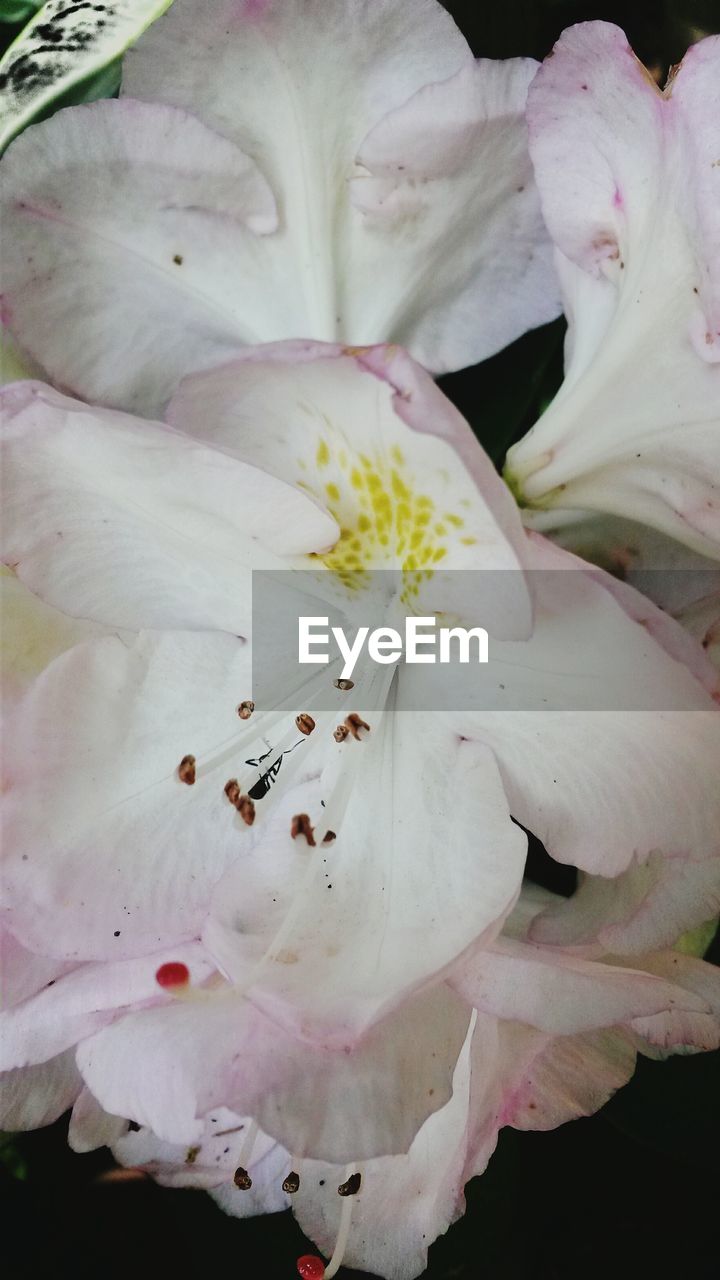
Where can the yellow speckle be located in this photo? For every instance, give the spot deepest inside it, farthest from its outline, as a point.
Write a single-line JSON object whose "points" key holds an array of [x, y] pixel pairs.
{"points": [[322, 457], [333, 492]]}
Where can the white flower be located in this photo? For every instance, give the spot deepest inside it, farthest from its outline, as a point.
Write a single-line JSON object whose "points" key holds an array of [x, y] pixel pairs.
{"points": [[630, 187]]}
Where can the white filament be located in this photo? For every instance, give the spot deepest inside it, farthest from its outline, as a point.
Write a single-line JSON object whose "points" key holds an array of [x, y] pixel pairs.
{"points": [[341, 1243]]}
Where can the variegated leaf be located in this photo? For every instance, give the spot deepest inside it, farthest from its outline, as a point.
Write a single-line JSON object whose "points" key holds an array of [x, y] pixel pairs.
{"points": [[63, 45]]}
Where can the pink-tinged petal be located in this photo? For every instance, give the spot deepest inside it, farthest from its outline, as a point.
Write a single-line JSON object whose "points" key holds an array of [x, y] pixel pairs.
{"points": [[331, 971], [548, 1080], [601, 785], [166, 1067], [349, 424], [23, 973], [695, 94], [688, 972], [566, 995], [80, 1003], [131, 227], [668, 574], [135, 525], [630, 196], [702, 620], [31, 1097], [107, 853], [90, 1127], [529, 1079], [405, 1201], [648, 906], [211, 1162], [659, 577]]}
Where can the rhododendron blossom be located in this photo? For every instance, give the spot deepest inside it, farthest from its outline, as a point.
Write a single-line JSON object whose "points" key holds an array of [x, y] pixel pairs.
{"points": [[301, 1016], [630, 188], [266, 928], [219, 203]]}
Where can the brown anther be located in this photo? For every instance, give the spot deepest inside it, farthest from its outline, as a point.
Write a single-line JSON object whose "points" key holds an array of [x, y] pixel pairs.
{"points": [[242, 1179], [246, 709], [354, 724], [344, 685], [186, 770], [300, 826], [341, 733], [291, 1183], [305, 723], [242, 803], [246, 808], [232, 790], [329, 837], [351, 1187]]}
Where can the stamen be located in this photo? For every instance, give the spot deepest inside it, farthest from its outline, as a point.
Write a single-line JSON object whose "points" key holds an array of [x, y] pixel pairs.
{"points": [[335, 1263], [329, 837], [344, 685], [246, 808], [351, 1186], [310, 1267], [173, 975], [341, 733], [246, 709], [301, 826], [242, 803], [291, 1183], [232, 790], [186, 770], [305, 723], [354, 724], [241, 1177]]}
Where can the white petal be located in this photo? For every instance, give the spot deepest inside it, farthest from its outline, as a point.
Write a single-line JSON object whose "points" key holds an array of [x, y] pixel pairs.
{"points": [[648, 906], [630, 196], [367, 433], [91, 1127], [404, 1202], [189, 250], [31, 1097], [81, 1002], [135, 525], [567, 995], [598, 784], [335, 969], [108, 853], [165, 1067], [33, 634]]}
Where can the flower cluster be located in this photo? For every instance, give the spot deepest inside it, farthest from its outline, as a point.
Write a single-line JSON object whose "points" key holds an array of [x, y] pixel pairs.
{"points": [[283, 950]]}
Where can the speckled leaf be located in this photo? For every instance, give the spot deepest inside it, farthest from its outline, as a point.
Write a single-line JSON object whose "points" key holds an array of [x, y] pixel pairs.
{"points": [[64, 44]]}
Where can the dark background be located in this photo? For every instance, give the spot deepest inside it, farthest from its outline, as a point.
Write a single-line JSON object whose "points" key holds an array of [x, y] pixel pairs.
{"points": [[633, 1190]]}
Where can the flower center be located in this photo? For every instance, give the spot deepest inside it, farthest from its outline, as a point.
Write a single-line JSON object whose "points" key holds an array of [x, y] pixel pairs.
{"points": [[385, 520]]}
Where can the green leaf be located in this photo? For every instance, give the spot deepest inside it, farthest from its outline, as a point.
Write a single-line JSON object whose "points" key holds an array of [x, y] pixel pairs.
{"points": [[12, 11], [64, 48]]}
